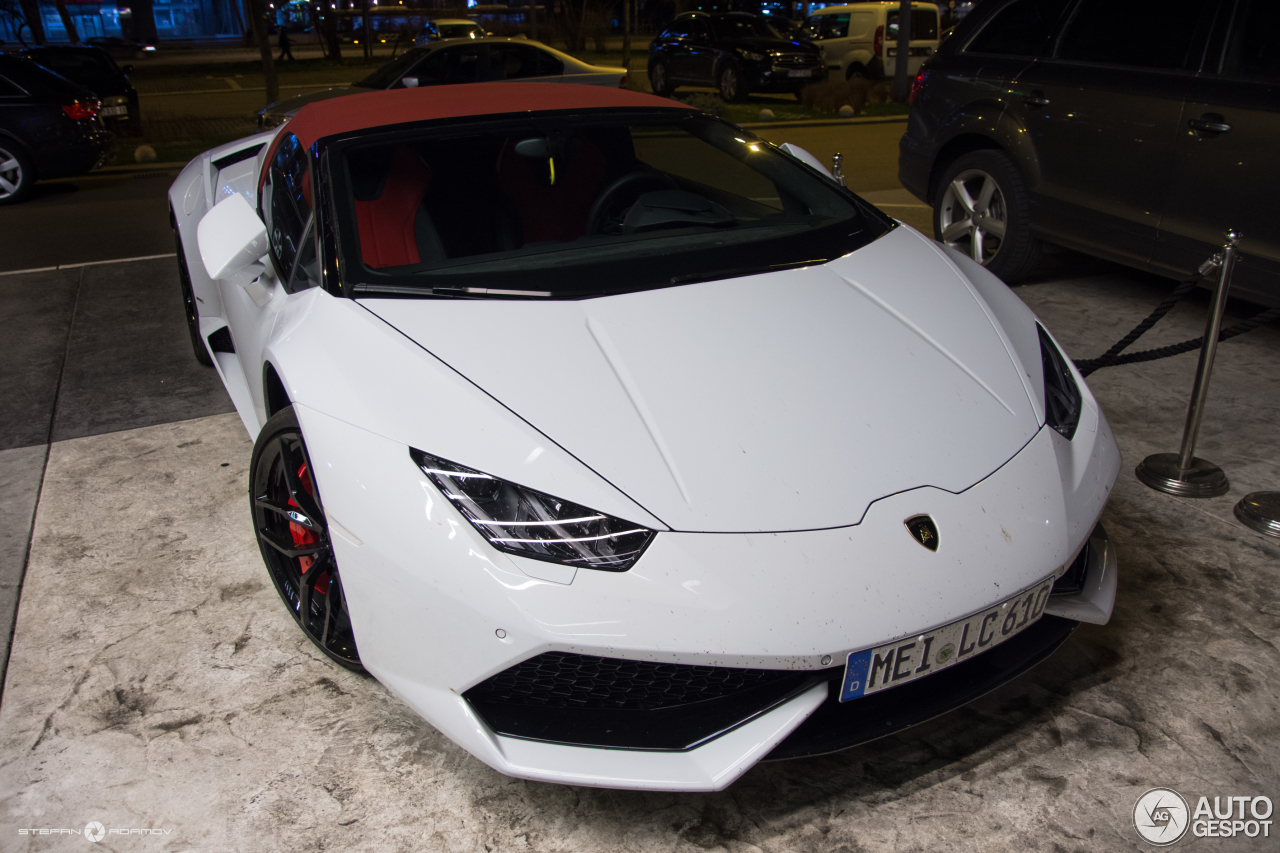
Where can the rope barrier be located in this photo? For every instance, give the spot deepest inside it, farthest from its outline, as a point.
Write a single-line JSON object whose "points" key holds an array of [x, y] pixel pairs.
{"points": [[1113, 356]]}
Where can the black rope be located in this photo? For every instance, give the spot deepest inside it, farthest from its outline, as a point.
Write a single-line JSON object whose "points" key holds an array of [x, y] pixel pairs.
{"points": [[1112, 356], [1195, 343]]}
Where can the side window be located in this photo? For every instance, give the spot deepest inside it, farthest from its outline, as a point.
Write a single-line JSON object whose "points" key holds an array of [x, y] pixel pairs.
{"points": [[462, 64], [834, 26], [1159, 34], [1255, 50], [286, 203], [678, 30], [518, 61], [699, 30], [1023, 28]]}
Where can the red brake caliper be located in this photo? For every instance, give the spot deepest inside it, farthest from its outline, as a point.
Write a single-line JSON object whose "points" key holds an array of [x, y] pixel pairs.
{"points": [[303, 537]]}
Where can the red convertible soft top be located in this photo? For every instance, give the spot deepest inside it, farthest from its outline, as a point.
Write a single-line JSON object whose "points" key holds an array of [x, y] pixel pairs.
{"points": [[400, 106]]}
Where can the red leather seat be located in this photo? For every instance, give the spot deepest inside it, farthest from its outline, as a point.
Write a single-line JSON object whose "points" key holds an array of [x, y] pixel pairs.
{"points": [[387, 220], [556, 211]]}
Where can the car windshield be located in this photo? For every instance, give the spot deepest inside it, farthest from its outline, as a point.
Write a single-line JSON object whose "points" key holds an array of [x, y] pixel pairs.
{"points": [[392, 71], [741, 27], [581, 205]]}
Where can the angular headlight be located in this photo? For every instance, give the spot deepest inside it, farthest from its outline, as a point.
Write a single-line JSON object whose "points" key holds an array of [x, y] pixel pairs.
{"points": [[531, 524], [1061, 394]]}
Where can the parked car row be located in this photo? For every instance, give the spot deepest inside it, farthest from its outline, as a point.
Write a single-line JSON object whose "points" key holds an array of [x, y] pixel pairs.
{"points": [[1046, 122], [450, 61]]}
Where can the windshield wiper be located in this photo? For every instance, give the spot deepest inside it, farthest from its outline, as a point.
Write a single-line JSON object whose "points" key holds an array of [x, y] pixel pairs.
{"points": [[739, 272], [409, 290]]}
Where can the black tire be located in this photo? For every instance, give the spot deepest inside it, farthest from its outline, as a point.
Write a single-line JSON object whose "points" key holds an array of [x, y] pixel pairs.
{"points": [[1015, 251], [17, 174], [857, 69], [189, 305], [732, 83], [293, 536], [660, 80]]}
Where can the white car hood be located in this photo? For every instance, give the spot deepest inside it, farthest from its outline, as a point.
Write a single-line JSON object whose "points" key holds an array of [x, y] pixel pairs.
{"points": [[779, 402]]}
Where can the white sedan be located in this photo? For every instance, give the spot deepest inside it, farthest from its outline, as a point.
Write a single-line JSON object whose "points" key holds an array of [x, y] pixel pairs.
{"points": [[627, 448], [478, 60]]}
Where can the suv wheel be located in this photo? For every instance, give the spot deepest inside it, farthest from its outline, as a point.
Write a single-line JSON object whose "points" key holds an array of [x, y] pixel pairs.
{"points": [[733, 87], [16, 174], [982, 210], [659, 81]]}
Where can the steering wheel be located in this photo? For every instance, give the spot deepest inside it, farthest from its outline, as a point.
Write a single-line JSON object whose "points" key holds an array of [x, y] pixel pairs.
{"points": [[611, 206]]}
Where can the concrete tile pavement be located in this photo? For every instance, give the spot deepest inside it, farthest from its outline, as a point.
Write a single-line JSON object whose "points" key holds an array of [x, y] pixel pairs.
{"points": [[157, 682]]}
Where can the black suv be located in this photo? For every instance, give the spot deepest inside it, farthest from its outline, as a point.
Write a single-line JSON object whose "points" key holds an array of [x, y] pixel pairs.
{"points": [[1137, 131], [734, 52]]}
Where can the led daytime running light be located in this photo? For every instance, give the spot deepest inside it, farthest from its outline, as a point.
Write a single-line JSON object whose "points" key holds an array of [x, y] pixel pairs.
{"points": [[528, 523]]}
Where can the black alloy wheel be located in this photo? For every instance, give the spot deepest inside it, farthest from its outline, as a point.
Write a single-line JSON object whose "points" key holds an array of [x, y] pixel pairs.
{"points": [[293, 536], [17, 175], [732, 83], [659, 81], [189, 303]]}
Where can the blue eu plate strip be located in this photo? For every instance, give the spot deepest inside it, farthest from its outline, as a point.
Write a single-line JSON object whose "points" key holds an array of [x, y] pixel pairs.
{"points": [[855, 675]]}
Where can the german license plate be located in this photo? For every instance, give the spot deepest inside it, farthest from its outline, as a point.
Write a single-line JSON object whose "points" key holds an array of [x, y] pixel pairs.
{"points": [[800, 72], [114, 111], [872, 670]]}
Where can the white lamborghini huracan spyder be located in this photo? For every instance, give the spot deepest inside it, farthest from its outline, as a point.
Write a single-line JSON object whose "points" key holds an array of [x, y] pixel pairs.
{"points": [[625, 447]]}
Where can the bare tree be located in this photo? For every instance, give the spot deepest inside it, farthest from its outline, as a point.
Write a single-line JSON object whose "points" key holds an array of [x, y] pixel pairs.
{"points": [[258, 23], [67, 22], [31, 12]]}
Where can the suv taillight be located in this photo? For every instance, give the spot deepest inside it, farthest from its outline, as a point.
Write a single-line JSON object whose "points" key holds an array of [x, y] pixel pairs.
{"points": [[917, 83], [879, 44], [80, 109]]}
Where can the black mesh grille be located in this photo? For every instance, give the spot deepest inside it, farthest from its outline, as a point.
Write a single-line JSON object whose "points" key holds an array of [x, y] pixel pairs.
{"points": [[562, 680], [1072, 580]]}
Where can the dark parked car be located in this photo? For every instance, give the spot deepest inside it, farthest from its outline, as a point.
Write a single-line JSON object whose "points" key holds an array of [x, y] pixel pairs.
{"points": [[93, 68], [48, 128], [1136, 131], [735, 52]]}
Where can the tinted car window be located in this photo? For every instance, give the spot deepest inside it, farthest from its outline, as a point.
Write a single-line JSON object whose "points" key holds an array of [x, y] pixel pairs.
{"points": [[458, 31], [1255, 55], [1020, 29], [828, 27], [286, 202], [37, 80], [88, 68], [1157, 34], [462, 64], [517, 61], [679, 30]]}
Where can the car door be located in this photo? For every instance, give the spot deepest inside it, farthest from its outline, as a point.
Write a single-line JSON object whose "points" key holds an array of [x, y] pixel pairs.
{"points": [[1225, 171], [828, 32], [1101, 114], [702, 54], [286, 209]]}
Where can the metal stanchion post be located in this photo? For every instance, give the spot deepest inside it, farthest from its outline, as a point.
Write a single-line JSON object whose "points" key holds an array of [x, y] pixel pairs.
{"points": [[1182, 473], [1260, 511]]}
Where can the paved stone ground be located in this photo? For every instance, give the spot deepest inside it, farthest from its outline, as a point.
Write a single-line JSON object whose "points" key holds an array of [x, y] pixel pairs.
{"points": [[156, 681]]}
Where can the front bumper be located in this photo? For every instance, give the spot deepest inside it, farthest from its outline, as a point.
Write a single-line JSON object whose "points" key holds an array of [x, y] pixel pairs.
{"points": [[778, 78]]}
